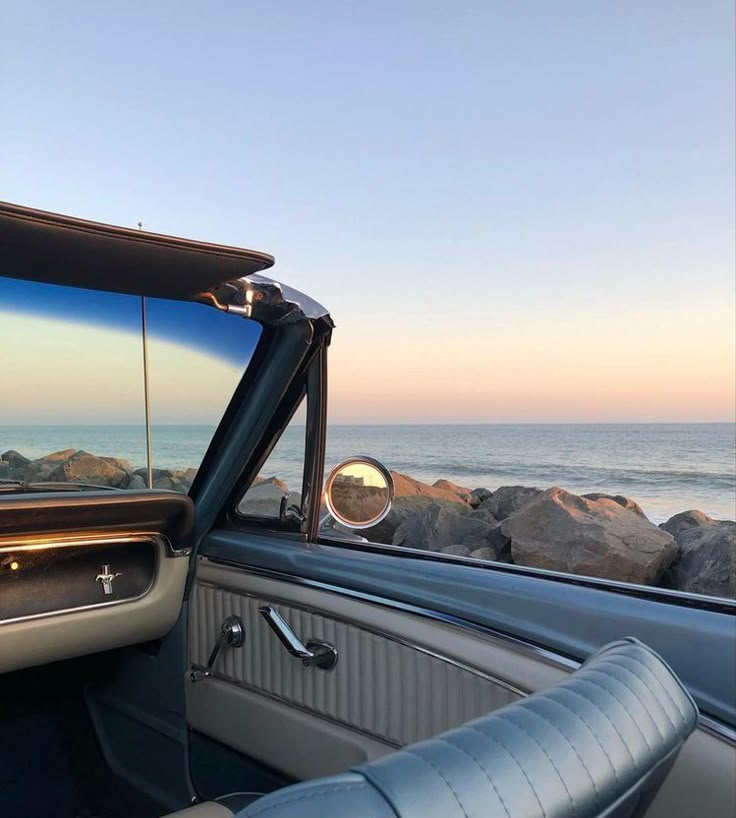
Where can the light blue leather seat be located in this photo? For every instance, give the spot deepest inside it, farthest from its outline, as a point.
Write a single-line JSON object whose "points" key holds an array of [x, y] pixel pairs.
{"points": [[597, 745]]}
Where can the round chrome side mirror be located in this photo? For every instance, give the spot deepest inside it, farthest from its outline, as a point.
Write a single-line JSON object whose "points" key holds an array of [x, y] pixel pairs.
{"points": [[358, 492]]}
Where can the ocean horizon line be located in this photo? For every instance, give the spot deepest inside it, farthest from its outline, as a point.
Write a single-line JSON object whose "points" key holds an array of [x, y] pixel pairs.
{"points": [[394, 424]]}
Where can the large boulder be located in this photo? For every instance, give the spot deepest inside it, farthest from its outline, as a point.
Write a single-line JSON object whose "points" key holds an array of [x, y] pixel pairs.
{"points": [[88, 468], [686, 520], [506, 500], [477, 496], [120, 463], [445, 485], [405, 486], [707, 563], [442, 525], [626, 502], [411, 497], [263, 498], [560, 531], [40, 469], [165, 479], [15, 459], [137, 483], [402, 509]]}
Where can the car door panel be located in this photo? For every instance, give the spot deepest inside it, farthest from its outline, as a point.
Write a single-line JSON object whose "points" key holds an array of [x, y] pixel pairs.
{"points": [[567, 620], [471, 631], [398, 679], [390, 683]]}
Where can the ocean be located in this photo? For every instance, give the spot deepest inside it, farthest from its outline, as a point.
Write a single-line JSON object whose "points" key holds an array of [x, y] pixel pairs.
{"points": [[666, 468]]}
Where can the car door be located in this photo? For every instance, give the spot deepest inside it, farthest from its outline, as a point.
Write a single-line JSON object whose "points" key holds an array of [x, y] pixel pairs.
{"points": [[423, 642]]}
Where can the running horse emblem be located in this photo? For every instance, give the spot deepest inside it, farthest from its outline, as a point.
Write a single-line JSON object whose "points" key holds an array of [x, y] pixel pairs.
{"points": [[106, 577]]}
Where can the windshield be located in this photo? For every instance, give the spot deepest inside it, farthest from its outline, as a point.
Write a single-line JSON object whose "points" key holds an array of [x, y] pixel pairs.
{"points": [[72, 407]]}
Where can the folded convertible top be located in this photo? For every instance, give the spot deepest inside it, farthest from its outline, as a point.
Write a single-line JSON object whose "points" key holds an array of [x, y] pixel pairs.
{"points": [[39, 246]]}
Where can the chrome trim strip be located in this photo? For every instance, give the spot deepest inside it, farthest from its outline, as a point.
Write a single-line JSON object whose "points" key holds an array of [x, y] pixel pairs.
{"points": [[279, 600], [47, 541], [718, 729], [154, 540]]}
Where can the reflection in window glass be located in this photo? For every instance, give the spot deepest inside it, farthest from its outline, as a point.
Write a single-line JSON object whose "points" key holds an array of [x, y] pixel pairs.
{"points": [[73, 404], [196, 357]]}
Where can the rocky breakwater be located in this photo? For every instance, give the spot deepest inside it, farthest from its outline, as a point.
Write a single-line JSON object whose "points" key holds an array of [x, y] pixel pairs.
{"points": [[597, 535], [76, 465]]}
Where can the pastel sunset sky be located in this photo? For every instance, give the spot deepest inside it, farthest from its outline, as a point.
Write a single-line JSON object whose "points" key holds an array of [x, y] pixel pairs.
{"points": [[515, 211]]}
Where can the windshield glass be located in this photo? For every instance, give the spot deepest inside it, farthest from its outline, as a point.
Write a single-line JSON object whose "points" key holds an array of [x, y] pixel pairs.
{"points": [[73, 401]]}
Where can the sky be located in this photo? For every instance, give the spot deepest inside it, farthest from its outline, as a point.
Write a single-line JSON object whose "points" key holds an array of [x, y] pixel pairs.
{"points": [[515, 211]]}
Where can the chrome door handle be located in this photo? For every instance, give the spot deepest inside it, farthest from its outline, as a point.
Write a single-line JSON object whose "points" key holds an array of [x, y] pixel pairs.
{"points": [[231, 634], [314, 654]]}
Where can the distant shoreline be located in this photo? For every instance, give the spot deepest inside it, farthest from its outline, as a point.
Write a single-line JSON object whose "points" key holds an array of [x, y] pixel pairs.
{"points": [[667, 467], [424, 424]]}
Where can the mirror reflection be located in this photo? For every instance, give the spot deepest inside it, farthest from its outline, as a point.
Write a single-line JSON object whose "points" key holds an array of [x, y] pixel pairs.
{"points": [[358, 494]]}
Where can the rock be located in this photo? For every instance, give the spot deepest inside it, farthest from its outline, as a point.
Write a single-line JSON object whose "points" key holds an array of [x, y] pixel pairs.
{"points": [[626, 502], [686, 520], [263, 499], [560, 531], [15, 459], [707, 563], [163, 479], [487, 554], [120, 463], [271, 489], [477, 496], [506, 500], [405, 486], [446, 485], [88, 468], [4, 470], [441, 525], [40, 470], [137, 483], [456, 550], [402, 509]]}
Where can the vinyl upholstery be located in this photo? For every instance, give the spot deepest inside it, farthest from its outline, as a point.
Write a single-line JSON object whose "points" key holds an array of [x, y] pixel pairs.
{"points": [[596, 745], [386, 689]]}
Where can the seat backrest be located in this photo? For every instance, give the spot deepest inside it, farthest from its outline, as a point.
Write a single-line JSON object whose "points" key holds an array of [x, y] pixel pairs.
{"points": [[597, 745]]}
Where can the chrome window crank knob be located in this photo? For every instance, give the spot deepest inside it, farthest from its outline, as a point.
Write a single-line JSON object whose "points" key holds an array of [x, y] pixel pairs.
{"points": [[315, 653], [232, 634]]}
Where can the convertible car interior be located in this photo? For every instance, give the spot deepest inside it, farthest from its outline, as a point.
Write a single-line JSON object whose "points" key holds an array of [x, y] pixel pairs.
{"points": [[185, 644]]}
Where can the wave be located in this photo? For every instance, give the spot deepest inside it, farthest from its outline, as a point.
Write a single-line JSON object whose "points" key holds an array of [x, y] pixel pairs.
{"points": [[549, 470]]}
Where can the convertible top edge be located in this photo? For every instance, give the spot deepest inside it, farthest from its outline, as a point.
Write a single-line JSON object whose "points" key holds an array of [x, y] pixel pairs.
{"points": [[52, 248]]}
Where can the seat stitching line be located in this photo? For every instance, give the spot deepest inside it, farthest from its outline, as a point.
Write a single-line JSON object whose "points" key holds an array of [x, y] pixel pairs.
{"points": [[609, 720], [658, 681], [518, 764], [621, 666], [589, 728], [481, 766], [631, 718], [574, 748], [441, 775], [313, 794], [539, 744]]}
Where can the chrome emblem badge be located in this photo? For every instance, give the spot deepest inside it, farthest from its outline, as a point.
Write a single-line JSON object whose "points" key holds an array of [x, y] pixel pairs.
{"points": [[106, 578]]}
